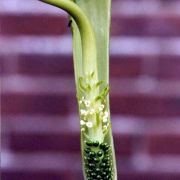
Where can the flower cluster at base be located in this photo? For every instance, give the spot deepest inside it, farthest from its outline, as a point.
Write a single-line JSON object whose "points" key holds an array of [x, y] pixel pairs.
{"points": [[94, 115], [95, 124], [98, 161]]}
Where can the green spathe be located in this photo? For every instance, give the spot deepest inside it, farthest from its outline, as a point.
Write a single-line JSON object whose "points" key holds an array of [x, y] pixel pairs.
{"points": [[87, 35], [90, 28]]}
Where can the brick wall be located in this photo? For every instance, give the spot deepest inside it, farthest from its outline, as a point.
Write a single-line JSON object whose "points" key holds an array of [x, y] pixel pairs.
{"points": [[40, 130]]}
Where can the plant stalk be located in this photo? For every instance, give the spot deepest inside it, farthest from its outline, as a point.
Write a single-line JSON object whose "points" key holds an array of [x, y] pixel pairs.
{"points": [[89, 54], [90, 28]]}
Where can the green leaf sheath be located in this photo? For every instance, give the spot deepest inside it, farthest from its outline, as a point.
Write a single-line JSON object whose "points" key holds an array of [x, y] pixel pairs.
{"points": [[90, 28], [98, 13], [96, 138], [89, 54]]}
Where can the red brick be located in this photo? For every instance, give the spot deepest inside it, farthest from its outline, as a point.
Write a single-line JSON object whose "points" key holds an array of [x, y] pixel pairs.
{"points": [[43, 65], [145, 105], [148, 176], [124, 144], [33, 24], [121, 25], [68, 175], [164, 144], [63, 142], [169, 67], [125, 66], [1, 65], [37, 175], [45, 142], [58, 65], [156, 25], [33, 104]]}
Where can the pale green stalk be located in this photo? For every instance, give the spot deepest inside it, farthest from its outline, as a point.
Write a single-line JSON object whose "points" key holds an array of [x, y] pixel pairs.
{"points": [[89, 54], [90, 27]]}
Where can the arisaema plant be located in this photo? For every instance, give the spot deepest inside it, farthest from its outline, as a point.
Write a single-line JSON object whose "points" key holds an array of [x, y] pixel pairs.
{"points": [[90, 29]]}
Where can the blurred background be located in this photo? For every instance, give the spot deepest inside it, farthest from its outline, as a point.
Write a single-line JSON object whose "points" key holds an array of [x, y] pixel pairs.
{"points": [[40, 126]]}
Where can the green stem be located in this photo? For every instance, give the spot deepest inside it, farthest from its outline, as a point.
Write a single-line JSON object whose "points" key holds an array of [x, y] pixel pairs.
{"points": [[89, 54], [96, 138]]}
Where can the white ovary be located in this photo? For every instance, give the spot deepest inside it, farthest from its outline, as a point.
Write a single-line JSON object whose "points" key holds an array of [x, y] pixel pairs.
{"points": [[106, 114], [83, 112], [92, 111], [87, 103], [82, 122], [89, 124], [105, 119], [105, 127], [101, 113], [101, 107]]}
